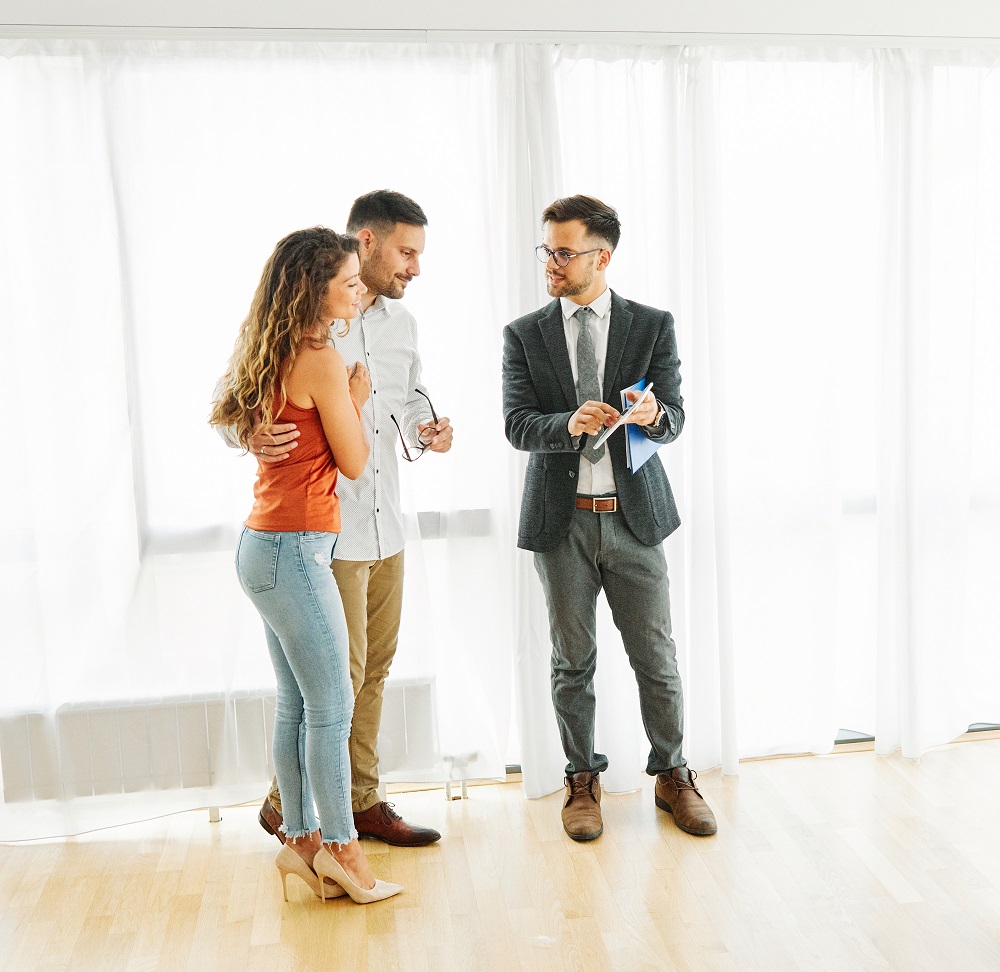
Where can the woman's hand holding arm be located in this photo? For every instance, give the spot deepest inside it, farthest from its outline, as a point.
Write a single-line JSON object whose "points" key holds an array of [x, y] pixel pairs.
{"points": [[322, 375]]}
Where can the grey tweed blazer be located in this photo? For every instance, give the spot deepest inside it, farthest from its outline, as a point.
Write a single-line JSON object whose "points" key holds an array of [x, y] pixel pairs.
{"points": [[539, 397]]}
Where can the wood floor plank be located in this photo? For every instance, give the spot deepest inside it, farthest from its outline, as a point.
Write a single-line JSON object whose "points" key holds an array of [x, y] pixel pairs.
{"points": [[434, 899], [412, 943], [574, 902], [91, 949]]}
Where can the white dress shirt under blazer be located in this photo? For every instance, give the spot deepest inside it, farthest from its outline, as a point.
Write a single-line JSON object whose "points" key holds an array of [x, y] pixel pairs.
{"points": [[594, 478]]}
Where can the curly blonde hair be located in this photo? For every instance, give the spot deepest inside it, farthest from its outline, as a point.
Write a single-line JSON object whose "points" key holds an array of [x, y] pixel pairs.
{"points": [[285, 311]]}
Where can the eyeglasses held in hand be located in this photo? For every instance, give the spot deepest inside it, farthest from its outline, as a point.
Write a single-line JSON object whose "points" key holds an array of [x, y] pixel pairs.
{"points": [[562, 257], [413, 453]]}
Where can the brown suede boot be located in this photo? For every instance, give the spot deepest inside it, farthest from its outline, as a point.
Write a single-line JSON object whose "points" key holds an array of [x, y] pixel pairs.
{"points": [[677, 794], [581, 813]]}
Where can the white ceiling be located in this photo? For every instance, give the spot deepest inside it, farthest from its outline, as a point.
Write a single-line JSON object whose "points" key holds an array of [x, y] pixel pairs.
{"points": [[844, 18]]}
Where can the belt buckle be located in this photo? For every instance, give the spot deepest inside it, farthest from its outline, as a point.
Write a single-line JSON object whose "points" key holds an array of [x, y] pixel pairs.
{"points": [[613, 500]]}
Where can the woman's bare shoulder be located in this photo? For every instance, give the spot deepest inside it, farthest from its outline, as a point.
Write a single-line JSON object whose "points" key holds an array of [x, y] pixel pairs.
{"points": [[319, 359], [317, 369]]}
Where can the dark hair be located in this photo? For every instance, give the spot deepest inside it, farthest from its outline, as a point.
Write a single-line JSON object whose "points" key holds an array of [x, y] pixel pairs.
{"points": [[599, 218], [286, 307], [381, 210]]}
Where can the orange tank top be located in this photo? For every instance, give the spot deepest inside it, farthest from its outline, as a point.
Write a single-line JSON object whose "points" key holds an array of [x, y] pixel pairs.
{"points": [[298, 493]]}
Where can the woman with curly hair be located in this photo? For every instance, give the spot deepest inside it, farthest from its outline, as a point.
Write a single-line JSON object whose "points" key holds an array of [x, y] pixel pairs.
{"points": [[285, 369]]}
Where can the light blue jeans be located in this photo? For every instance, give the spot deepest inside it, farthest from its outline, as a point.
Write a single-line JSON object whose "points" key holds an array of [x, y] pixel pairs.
{"points": [[287, 577]]}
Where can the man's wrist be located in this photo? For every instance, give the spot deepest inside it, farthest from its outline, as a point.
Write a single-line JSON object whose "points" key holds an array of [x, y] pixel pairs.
{"points": [[661, 414]]}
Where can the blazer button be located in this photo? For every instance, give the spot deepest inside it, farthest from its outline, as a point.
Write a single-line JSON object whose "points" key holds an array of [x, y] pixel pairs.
{"points": [[572, 475]]}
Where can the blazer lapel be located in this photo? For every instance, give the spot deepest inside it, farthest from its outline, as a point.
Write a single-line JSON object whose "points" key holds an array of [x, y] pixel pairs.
{"points": [[621, 324], [550, 323]]}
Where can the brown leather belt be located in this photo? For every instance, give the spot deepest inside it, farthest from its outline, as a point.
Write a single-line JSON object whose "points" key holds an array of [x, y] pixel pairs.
{"points": [[597, 504]]}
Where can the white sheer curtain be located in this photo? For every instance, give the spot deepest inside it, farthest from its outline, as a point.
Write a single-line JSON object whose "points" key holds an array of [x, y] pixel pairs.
{"points": [[938, 457], [823, 223], [144, 185]]}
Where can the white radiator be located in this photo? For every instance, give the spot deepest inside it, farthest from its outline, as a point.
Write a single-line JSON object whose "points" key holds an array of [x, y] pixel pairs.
{"points": [[189, 741], [408, 736]]}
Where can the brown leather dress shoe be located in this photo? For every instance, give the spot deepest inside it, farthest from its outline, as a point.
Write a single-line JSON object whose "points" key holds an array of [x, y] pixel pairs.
{"points": [[381, 822], [270, 819], [677, 794], [581, 813]]}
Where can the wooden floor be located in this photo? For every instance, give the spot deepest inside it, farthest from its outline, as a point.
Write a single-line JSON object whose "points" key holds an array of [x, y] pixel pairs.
{"points": [[842, 862]]}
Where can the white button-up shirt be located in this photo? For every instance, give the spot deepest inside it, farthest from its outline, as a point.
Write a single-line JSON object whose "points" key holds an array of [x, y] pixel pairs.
{"points": [[384, 339], [594, 478]]}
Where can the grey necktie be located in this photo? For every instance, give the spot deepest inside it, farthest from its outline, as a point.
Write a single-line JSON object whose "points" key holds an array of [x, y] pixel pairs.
{"points": [[588, 388]]}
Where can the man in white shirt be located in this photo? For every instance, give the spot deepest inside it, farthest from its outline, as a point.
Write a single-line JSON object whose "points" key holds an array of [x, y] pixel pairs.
{"points": [[368, 558]]}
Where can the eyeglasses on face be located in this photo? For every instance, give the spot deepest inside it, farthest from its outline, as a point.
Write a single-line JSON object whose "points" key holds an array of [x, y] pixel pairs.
{"points": [[562, 257], [413, 453]]}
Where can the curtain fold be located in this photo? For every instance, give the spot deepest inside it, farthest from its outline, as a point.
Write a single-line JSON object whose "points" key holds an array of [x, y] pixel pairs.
{"points": [[823, 223], [940, 311], [533, 171]]}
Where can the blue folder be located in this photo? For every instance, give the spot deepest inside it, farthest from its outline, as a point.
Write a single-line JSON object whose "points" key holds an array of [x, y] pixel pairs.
{"points": [[638, 448]]}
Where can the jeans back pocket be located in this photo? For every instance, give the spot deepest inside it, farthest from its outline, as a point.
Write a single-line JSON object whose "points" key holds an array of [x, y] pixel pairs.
{"points": [[257, 560]]}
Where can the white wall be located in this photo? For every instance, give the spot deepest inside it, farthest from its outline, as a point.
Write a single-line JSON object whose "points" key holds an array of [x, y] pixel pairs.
{"points": [[889, 18]]}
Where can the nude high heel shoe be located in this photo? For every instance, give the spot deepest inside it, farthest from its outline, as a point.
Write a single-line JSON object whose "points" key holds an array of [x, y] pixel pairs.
{"points": [[328, 866], [288, 862]]}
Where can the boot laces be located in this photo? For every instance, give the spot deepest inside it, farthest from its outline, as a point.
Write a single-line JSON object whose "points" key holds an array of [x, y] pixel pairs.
{"points": [[581, 788]]}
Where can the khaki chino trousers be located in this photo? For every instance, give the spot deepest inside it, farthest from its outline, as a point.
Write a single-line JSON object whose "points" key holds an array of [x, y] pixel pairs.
{"points": [[372, 592]]}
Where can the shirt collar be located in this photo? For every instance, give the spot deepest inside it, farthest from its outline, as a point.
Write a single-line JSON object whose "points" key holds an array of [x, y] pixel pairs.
{"points": [[599, 305], [379, 304]]}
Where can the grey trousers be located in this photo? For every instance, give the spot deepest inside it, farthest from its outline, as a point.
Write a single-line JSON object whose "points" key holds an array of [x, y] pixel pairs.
{"points": [[600, 551]]}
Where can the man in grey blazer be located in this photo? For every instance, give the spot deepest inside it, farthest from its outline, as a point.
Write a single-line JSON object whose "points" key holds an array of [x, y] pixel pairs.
{"points": [[591, 522]]}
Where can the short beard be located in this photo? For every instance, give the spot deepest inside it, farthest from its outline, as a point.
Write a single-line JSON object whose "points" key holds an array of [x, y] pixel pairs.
{"points": [[571, 291], [379, 281]]}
